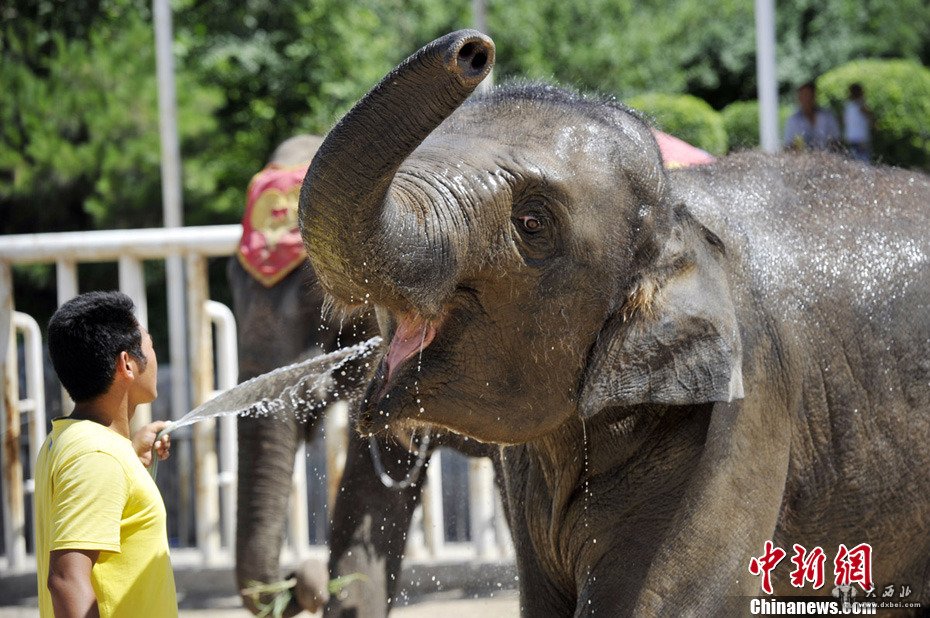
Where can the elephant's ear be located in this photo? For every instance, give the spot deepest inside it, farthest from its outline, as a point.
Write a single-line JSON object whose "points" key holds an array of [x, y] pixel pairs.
{"points": [[675, 339]]}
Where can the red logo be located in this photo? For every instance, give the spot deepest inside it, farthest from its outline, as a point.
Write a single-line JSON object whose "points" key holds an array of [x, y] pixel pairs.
{"points": [[854, 566], [808, 567], [851, 566], [764, 564]]}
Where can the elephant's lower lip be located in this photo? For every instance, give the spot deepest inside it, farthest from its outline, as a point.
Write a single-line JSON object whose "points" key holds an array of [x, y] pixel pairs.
{"points": [[374, 406], [382, 380], [381, 384], [373, 417]]}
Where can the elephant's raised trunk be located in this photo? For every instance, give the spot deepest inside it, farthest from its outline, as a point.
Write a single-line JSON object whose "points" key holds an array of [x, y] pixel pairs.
{"points": [[348, 213]]}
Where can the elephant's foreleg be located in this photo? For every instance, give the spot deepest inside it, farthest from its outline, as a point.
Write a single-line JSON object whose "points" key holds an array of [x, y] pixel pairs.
{"points": [[369, 529], [702, 562]]}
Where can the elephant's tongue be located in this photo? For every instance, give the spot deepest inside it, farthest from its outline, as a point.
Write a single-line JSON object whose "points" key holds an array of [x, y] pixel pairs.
{"points": [[412, 335]]}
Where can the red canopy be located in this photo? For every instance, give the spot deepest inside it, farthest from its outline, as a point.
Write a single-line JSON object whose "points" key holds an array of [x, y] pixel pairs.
{"points": [[679, 153]]}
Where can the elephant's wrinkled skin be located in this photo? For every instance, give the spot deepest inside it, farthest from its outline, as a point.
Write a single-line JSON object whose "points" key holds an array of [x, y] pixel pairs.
{"points": [[678, 365]]}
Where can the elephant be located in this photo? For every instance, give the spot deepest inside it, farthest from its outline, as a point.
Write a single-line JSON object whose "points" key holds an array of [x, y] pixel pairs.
{"points": [[683, 371], [279, 312]]}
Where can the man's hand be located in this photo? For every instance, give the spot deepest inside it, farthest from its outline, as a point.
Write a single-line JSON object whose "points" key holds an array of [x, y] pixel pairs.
{"points": [[69, 583], [144, 439]]}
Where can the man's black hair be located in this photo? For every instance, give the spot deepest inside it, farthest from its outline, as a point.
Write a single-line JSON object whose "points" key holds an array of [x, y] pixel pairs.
{"points": [[810, 84], [85, 337]]}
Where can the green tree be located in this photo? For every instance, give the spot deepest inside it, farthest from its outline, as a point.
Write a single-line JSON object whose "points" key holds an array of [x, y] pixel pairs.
{"points": [[79, 115], [79, 145], [291, 67], [627, 48]]}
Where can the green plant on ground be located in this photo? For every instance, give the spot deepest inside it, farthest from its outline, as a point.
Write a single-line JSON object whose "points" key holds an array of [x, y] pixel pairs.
{"points": [[282, 593]]}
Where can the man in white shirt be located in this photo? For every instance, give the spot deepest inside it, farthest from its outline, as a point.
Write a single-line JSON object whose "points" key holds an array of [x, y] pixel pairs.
{"points": [[857, 124], [811, 127]]}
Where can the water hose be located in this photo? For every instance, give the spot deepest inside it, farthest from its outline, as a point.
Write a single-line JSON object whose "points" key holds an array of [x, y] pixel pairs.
{"points": [[153, 469]]}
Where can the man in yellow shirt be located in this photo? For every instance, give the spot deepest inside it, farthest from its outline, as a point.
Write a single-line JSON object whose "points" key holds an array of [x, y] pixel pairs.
{"points": [[101, 536]]}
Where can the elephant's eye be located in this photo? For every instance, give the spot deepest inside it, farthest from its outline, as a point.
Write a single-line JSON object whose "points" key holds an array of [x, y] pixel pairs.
{"points": [[536, 229], [531, 224]]}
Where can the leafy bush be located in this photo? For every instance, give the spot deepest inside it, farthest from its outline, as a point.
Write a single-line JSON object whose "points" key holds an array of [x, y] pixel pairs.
{"points": [[741, 121], [686, 117], [898, 92]]}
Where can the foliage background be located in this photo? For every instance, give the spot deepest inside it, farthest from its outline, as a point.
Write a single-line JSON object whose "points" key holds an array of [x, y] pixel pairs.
{"points": [[79, 116], [79, 143], [685, 116]]}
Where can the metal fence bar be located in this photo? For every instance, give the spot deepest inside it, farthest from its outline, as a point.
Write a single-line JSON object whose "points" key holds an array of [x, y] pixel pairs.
{"points": [[416, 548], [433, 521], [132, 283], [335, 433], [227, 371], [179, 358], [34, 404], [66, 277], [502, 530], [481, 506], [299, 521]]}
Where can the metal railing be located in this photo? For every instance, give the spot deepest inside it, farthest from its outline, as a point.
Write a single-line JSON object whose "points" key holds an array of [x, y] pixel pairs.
{"points": [[214, 474]]}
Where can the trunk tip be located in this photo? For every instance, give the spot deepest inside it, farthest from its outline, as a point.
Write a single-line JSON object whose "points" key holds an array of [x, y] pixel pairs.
{"points": [[471, 57]]}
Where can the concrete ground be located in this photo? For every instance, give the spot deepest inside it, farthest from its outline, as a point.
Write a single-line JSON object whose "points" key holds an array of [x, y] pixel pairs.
{"points": [[461, 589], [503, 605]]}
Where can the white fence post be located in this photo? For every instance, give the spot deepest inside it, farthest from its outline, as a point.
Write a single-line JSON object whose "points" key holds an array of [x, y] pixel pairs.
{"points": [[299, 522], [66, 278], [481, 505], [227, 371], [335, 430], [433, 523]]}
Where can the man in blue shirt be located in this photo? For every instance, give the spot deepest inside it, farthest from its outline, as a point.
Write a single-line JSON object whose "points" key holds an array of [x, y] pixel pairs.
{"points": [[811, 127]]}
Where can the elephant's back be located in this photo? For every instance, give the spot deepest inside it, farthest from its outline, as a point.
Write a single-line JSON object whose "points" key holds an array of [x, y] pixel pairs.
{"points": [[815, 229]]}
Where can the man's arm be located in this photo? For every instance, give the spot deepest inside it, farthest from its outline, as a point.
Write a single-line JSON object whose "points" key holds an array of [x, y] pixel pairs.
{"points": [[69, 583]]}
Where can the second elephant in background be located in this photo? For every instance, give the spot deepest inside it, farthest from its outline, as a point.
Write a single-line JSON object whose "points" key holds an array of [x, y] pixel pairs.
{"points": [[279, 309]]}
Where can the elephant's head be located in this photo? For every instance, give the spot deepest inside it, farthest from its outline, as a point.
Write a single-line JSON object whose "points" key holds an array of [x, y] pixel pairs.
{"points": [[522, 249]]}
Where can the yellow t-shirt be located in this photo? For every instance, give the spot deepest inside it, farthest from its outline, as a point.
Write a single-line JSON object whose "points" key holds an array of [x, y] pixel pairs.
{"points": [[93, 493]]}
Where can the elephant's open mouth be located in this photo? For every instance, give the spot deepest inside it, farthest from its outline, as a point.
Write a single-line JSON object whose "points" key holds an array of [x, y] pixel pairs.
{"points": [[412, 335]]}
